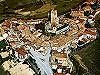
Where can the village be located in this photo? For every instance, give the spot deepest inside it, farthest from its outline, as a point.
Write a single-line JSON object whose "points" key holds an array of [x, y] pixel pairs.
{"points": [[42, 46]]}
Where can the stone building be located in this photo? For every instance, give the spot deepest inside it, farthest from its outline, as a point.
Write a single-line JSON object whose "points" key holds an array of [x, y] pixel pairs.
{"points": [[54, 18]]}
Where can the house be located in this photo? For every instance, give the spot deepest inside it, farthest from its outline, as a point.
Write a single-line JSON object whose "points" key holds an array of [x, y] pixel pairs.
{"points": [[88, 35], [12, 37], [14, 20], [13, 43], [77, 13], [21, 69], [89, 1], [17, 68], [7, 23], [8, 64], [6, 54], [21, 53], [61, 62]]}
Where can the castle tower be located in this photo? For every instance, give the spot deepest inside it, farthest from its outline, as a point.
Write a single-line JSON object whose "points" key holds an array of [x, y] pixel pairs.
{"points": [[54, 18]]}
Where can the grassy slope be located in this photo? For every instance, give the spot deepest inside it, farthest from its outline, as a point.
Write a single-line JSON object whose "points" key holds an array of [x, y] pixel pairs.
{"points": [[66, 5], [88, 55], [62, 6]]}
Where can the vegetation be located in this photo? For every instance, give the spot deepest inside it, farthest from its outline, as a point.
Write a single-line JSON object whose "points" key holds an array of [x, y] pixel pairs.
{"points": [[66, 5], [37, 6], [3, 44]]}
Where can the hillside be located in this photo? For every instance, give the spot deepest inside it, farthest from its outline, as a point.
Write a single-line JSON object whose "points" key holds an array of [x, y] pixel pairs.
{"points": [[7, 7]]}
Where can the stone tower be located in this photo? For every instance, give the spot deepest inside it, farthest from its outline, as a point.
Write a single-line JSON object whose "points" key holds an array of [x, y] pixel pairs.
{"points": [[54, 18]]}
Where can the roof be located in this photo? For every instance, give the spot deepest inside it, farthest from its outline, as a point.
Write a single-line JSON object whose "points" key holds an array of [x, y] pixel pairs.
{"points": [[12, 43], [81, 20], [21, 51], [6, 23], [13, 36], [60, 40], [59, 54], [93, 29], [58, 74], [89, 0], [89, 32], [14, 19], [21, 27], [84, 40], [1, 30]]}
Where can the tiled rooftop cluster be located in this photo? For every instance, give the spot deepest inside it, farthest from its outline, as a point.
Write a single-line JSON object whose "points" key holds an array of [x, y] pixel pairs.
{"points": [[20, 39]]}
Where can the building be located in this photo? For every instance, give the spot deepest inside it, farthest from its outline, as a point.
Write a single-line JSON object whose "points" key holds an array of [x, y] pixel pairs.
{"points": [[15, 68], [6, 54], [77, 13], [54, 18], [61, 63], [54, 27], [90, 1], [21, 69], [12, 37], [88, 35], [21, 54], [7, 23], [3, 36], [8, 64]]}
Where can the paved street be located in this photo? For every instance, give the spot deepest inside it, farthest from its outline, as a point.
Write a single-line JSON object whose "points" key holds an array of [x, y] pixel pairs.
{"points": [[42, 62]]}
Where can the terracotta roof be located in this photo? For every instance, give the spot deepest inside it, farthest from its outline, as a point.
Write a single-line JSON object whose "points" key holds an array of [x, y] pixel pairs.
{"points": [[89, 0], [89, 32], [59, 65], [13, 36], [12, 43], [58, 74], [21, 27], [80, 34], [7, 23], [81, 20], [59, 54], [21, 51]]}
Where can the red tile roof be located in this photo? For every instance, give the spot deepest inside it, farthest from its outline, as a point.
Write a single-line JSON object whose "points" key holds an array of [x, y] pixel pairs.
{"points": [[81, 20], [21, 51], [89, 32], [7, 23], [58, 74]]}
